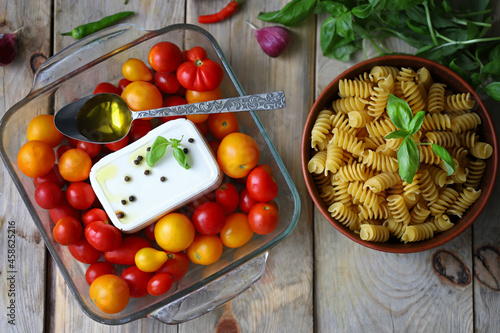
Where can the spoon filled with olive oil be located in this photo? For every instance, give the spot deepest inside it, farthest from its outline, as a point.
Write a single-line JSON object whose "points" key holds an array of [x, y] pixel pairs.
{"points": [[105, 118]]}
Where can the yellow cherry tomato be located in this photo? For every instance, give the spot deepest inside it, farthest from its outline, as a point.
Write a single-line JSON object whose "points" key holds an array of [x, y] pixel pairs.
{"points": [[205, 249], [174, 232], [110, 293], [236, 231], [149, 259], [42, 128], [141, 95], [136, 70]]}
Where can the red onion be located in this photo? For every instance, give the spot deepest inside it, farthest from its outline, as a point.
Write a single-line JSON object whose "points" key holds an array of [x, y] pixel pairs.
{"points": [[8, 48], [273, 40]]}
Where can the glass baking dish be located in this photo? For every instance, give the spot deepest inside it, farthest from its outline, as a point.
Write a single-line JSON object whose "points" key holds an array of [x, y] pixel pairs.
{"points": [[73, 73]]}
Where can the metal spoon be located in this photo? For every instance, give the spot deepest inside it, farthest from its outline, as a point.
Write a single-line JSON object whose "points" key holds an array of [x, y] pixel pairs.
{"points": [[106, 118]]}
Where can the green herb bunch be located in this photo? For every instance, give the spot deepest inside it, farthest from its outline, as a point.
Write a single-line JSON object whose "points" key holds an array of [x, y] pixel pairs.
{"points": [[159, 148], [456, 38], [408, 156]]}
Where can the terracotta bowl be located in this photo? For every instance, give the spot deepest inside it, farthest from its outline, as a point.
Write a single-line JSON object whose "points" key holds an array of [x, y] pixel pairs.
{"points": [[455, 83]]}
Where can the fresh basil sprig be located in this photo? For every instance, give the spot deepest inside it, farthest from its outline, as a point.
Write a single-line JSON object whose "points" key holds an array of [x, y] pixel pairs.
{"points": [[159, 148], [408, 157]]}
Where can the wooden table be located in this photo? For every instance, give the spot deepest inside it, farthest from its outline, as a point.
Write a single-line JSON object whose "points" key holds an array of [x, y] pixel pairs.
{"points": [[317, 279]]}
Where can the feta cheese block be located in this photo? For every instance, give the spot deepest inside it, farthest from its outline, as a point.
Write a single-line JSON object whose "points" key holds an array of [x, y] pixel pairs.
{"points": [[135, 195]]}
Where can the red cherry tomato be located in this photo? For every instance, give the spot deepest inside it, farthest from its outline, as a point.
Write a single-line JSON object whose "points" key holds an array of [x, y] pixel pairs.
{"points": [[149, 231], [93, 149], [103, 236], [246, 201], [48, 195], [263, 218], [114, 146], [159, 284], [222, 124], [199, 73], [139, 128], [97, 269], [202, 127], [84, 252], [80, 195], [165, 57], [94, 214], [214, 145], [125, 253], [72, 142], [172, 100], [176, 265], [261, 184], [227, 196], [166, 82], [64, 148], [52, 177], [67, 231], [137, 281], [122, 84], [209, 218], [62, 210], [106, 87]]}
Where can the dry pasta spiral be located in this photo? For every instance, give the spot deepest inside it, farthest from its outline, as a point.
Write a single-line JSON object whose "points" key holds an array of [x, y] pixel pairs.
{"points": [[428, 188], [363, 195], [320, 129], [436, 121], [378, 102], [445, 139], [442, 222], [347, 104], [354, 88], [379, 162], [317, 163], [413, 96], [380, 127], [374, 233], [334, 157], [398, 209], [382, 181], [465, 122], [418, 232], [353, 172], [436, 100], [476, 171], [344, 215], [446, 197], [383, 71], [457, 102], [419, 213], [348, 142], [464, 201]]}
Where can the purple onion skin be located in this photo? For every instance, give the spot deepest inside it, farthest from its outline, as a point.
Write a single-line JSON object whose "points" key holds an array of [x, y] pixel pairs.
{"points": [[273, 40], [8, 48]]}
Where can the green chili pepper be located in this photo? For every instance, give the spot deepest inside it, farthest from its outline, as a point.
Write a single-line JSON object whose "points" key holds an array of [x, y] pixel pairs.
{"points": [[89, 28]]}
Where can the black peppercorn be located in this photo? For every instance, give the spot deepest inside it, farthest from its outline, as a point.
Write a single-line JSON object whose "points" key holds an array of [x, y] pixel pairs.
{"points": [[136, 162], [190, 140], [120, 215], [162, 178], [185, 150], [131, 198], [126, 178], [124, 202], [139, 158], [148, 149], [146, 172]]}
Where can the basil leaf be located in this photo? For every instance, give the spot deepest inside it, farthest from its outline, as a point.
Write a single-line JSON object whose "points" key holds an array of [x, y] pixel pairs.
{"points": [[362, 11], [157, 150], [397, 134], [331, 7], [446, 157], [399, 111], [416, 122], [493, 90], [180, 157], [493, 67], [292, 14], [332, 44], [408, 159], [344, 26]]}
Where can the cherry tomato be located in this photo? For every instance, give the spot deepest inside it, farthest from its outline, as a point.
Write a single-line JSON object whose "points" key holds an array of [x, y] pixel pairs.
{"points": [[159, 284], [67, 231], [193, 96], [42, 128], [246, 201], [236, 231], [238, 154], [64, 148], [199, 73], [205, 249], [227, 196], [198, 119], [72, 142], [36, 158], [139, 128], [53, 176], [177, 265], [125, 253], [209, 218], [172, 100], [93, 149], [122, 84], [137, 281], [222, 124], [94, 214], [141, 95], [136, 70], [149, 231], [114, 146], [165, 57], [174, 232], [106, 87], [103, 236], [110, 293], [149, 259], [48, 195], [84, 252], [97, 269], [62, 210], [80, 195], [263, 218], [166, 82], [74, 165], [261, 184], [214, 145]]}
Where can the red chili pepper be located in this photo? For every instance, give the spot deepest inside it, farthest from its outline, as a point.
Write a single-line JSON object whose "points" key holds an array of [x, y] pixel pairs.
{"points": [[223, 14]]}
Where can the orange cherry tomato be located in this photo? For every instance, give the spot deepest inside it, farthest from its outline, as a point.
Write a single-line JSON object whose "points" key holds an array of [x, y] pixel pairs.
{"points": [[42, 128], [236, 232], [197, 118], [140, 96], [136, 70], [36, 158], [238, 154], [205, 249], [222, 124], [174, 232], [74, 165], [110, 293], [193, 96]]}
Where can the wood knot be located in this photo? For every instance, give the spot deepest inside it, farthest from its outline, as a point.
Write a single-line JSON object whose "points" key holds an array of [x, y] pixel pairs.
{"points": [[451, 269], [36, 59], [487, 266]]}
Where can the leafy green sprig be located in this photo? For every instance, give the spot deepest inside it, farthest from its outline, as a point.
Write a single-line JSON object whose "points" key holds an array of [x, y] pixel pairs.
{"points": [[159, 148], [408, 156], [455, 38]]}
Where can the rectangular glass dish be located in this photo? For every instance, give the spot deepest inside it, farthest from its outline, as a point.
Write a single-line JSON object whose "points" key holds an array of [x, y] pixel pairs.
{"points": [[73, 73]]}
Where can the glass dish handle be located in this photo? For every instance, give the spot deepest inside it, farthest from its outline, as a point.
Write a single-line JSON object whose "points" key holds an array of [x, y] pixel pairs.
{"points": [[214, 294], [83, 54]]}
